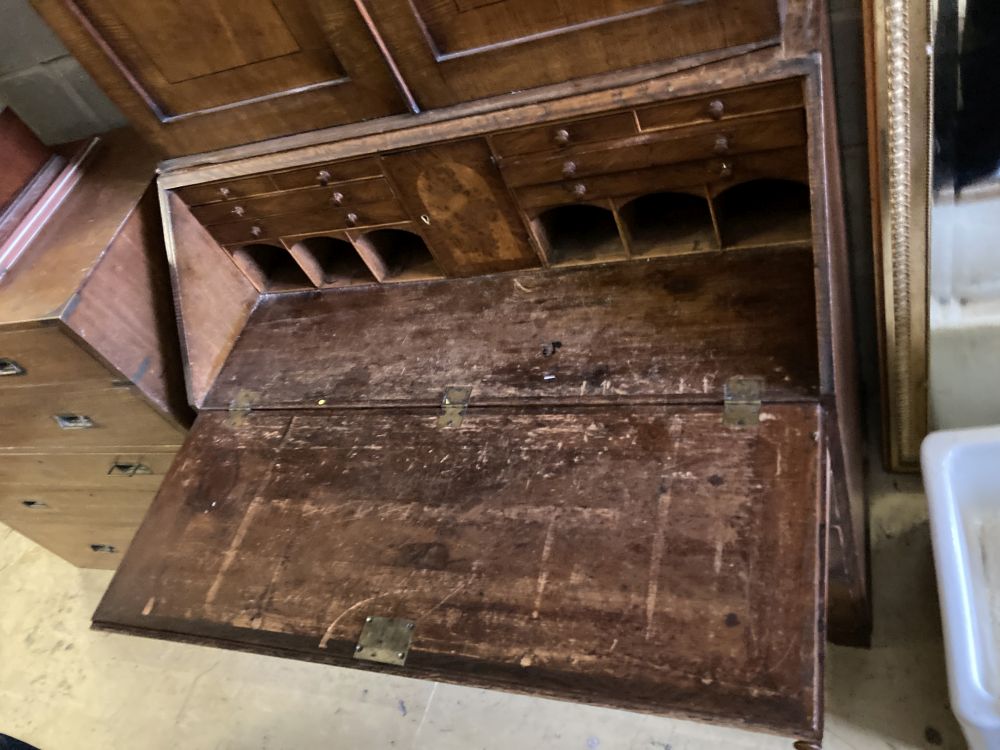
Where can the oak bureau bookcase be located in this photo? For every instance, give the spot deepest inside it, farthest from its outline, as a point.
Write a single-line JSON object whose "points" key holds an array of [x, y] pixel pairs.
{"points": [[520, 336]]}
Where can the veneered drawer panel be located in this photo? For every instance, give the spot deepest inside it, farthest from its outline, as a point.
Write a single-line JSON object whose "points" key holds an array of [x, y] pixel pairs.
{"points": [[91, 419], [112, 471], [47, 355], [722, 105], [88, 528], [561, 135], [761, 133], [340, 195], [789, 163], [224, 190], [321, 175], [306, 222]]}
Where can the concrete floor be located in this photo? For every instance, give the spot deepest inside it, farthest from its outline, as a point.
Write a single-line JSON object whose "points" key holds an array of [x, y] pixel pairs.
{"points": [[64, 687]]}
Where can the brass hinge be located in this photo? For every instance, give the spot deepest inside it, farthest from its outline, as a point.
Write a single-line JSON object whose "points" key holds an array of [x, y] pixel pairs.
{"points": [[741, 406], [453, 406], [385, 640], [239, 407]]}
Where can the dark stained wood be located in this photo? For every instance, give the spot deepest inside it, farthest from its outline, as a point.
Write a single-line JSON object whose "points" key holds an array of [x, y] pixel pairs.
{"points": [[470, 223], [23, 156], [722, 105], [645, 558], [196, 75], [452, 53], [212, 303], [560, 135], [673, 328]]}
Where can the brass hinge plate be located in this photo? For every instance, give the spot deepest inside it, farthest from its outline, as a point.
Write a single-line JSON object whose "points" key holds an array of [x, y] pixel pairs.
{"points": [[741, 406], [453, 406], [240, 406], [385, 640]]}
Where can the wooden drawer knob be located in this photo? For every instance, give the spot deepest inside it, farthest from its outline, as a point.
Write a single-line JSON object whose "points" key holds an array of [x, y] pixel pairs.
{"points": [[337, 198], [323, 177], [352, 219], [716, 109], [561, 137], [726, 169], [569, 168], [721, 144], [256, 232], [238, 211], [578, 189]]}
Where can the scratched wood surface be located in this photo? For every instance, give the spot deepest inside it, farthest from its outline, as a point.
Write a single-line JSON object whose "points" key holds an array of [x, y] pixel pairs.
{"points": [[647, 558], [673, 327]]}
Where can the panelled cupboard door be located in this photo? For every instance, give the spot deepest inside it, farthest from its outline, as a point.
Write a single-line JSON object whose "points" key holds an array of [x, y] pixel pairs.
{"points": [[458, 50], [198, 75]]}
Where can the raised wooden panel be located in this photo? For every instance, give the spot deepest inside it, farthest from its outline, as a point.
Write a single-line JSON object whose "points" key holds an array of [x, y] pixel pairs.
{"points": [[469, 219], [457, 51], [204, 74]]}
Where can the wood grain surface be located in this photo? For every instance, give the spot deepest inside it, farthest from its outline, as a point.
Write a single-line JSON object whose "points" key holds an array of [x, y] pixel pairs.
{"points": [[658, 330], [646, 557]]}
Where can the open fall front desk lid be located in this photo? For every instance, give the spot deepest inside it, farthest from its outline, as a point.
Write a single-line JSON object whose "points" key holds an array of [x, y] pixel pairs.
{"points": [[604, 534]]}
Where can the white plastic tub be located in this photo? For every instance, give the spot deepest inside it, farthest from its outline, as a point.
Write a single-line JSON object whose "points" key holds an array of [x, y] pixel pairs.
{"points": [[961, 471]]}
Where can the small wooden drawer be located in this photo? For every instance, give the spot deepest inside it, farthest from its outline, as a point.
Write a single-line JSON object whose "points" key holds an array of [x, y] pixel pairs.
{"points": [[50, 418], [224, 190], [722, 105], [47, 355], [788, 163], [771, 131], [338, 195], [561, 135], [322, 175], [307, 222], [113, 471]]}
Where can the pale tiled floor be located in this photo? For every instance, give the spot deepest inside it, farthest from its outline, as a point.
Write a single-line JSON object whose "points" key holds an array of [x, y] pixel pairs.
{"points": [[63, 686]]}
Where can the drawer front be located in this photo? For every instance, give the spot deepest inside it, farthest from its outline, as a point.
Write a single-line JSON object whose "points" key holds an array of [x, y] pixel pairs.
{"points": [[244, 232], [762, 133], [53, 418], [224, 190], [722, 106], [561, 135], [88, 528], [787, 163], [339, 195], [111, 471], [322, 175], [44, 356]]}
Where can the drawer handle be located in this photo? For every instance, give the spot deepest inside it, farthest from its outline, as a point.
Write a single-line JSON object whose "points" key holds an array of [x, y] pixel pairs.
{"points": [[109, 548], [224, 192], [337, 198], [726, 169], [425, 219], [123, 469], [569, 168], [323, 178], [238, 211], [34, 504], [561, 136], [73, 421], [721, 145], [578, 189], [256, 231], [10, 368], [716, 109], [352, 219]]}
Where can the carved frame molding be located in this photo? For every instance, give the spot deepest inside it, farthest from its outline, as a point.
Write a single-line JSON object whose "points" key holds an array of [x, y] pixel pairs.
{"points": [[899, 70]]}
